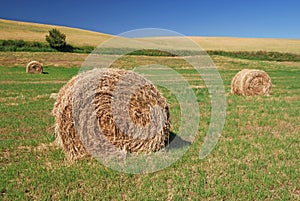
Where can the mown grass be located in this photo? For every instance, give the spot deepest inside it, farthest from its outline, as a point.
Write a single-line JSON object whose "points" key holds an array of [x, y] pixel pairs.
{"points": [[257, 157]]}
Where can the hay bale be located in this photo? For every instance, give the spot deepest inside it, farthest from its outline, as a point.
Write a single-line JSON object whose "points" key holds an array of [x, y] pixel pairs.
{"points": [[251, 82], [34, 67], [100, 96]]}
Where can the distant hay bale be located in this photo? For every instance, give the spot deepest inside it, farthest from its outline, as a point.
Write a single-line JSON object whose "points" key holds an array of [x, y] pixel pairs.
{"points": [[34, 67], [251, 82], [98, 90]]}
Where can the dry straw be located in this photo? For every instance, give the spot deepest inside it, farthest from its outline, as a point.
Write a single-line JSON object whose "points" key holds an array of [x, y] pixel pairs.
{"points": [[97, 90], [34, 67], [53, 96], [251, 82]]}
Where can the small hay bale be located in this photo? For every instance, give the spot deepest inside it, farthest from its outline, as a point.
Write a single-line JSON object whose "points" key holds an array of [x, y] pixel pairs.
{"points": [[95, 90], [251, 82], [34, 67]]}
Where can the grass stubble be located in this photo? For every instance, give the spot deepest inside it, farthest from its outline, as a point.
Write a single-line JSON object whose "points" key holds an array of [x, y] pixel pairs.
{"points": [[257, 157]]}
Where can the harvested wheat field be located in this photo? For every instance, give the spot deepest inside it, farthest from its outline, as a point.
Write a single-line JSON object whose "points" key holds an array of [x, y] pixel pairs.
{"points": [[251, 82], [93, 95], [12, 30]]}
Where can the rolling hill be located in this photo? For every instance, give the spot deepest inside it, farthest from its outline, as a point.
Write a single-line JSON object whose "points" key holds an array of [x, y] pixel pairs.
{"points": [[36, 32], [13, 30]]}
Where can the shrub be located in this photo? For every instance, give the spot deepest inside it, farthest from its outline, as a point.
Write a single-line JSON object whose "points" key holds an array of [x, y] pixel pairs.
{"points": [[56, 39], [24, 46]]}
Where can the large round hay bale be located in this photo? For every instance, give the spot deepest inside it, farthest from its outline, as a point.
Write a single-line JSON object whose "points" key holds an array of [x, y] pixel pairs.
{"points": [[34, 67], [251, 82], [104, 91]]}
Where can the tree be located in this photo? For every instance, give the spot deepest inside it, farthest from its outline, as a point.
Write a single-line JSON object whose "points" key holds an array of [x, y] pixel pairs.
{"points": [[56, 39]]}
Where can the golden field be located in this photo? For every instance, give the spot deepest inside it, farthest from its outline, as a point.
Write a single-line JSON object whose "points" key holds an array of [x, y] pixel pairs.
{"points": [[15, 30], [36, 32]]}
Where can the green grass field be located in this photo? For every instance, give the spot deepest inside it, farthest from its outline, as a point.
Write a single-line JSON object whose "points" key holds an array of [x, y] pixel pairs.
{"points": [[257, 157]]}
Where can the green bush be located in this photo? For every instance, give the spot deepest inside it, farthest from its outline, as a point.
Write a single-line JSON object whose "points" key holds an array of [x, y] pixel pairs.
{"points": [[24, 46], [34, 46], [56, 39]]}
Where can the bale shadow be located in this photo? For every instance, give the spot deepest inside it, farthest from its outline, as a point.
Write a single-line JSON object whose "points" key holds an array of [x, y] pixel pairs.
{"points": [[45, 73], [176, 142]]}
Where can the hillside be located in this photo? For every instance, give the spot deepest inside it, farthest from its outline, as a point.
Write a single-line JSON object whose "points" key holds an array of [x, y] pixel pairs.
{"points": [[36, 32], [249, 44]]}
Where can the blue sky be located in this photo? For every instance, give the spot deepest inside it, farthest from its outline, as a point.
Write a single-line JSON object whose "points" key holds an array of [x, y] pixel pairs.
{"points": [[249, 18]]}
